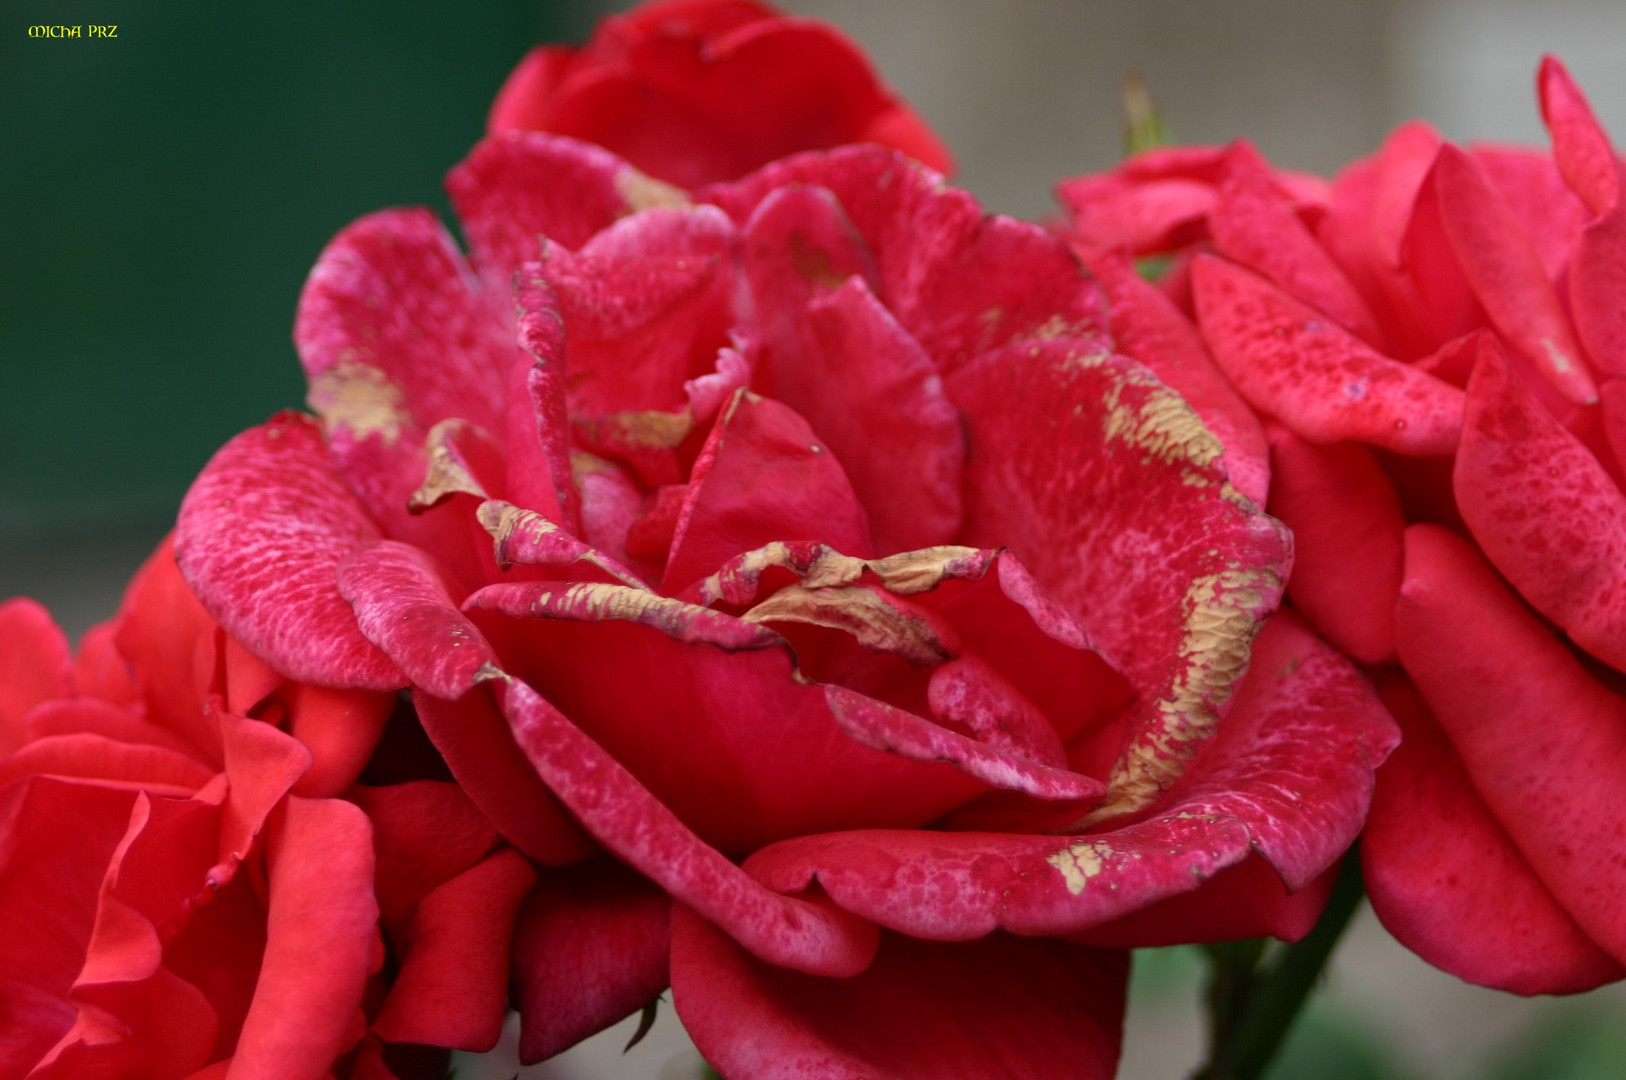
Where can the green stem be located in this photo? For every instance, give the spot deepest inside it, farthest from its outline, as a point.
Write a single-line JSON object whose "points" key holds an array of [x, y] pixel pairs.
{"points": [[1253, 1008]]}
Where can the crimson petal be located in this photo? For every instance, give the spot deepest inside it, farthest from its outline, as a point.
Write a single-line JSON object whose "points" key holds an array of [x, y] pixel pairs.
{"points": [[35, 666], [1581, 147]]}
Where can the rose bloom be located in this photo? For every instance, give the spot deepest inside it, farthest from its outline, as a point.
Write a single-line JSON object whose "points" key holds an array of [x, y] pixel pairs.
{"points": [[182, 893], [693, 92], [1431, 346], [797, 576]]}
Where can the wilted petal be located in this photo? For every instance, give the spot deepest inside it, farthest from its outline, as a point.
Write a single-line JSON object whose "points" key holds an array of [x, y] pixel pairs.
{"points": [[1323, 383], [260, 538], [590, 946], [1004, 1006], [1148, 327], [1446, 880], [1544, 741], [1543, 509], [1110, 490]]}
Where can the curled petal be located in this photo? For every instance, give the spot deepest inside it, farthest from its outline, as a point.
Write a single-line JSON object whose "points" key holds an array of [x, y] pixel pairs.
{"points": [[1543, 509], [260, 538], [529, 539], [615, 808]]}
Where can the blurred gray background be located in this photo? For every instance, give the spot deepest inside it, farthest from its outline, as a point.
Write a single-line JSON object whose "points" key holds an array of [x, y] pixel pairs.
{"points": [[163, 194]]}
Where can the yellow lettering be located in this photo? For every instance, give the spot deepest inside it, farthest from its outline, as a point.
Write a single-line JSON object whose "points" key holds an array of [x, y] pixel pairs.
{"points": [[72, 31]]}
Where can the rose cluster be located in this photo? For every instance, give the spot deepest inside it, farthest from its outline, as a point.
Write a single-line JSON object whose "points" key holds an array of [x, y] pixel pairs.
{"points": [[1426, 357], [753, 570]]}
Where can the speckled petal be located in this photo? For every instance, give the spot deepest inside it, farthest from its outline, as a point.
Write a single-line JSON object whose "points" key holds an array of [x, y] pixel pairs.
{"points": [[1292, 363], [1109, 489], [260, 538], [1449, 884], [1005, 1006], [1543, 509], [1543, 740]]}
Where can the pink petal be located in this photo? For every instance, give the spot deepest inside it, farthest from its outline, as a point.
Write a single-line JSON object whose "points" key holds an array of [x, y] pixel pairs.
{"points": [[1446, 880], [1581, 147], [1148, 327], [402, 606], [590, 947], [1347, 552], [515, 188], [739, 495], [1321, 382], [1530, 183], [798, 934], [396, 335], [1543, 510], [1506, 274], [35, 666], [1543, 741], [1597, 280], [452, 989], [1066, 448], [1004, 1006], [260, 538], [1404, 162], [321, 932], [1255, 227]]}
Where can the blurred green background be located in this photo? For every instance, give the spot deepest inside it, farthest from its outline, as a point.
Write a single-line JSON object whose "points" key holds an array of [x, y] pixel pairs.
{"points": [[162, 196]]}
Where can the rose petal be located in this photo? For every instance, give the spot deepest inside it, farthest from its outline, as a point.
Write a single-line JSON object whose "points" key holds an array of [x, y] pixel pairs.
{"points": [[515, 187], [1543, 509], [35, 665], [1254, 226], [1066, 447], [1581, 147], [616, 809], [759, 452], [425, 833], [590, 947], [922, 1009], [1506, 274], [1597, 280], [260, 538], [452, 989], [1494, 677], [1446, 880], [340, 728], [1320, 381], [1148, 327], [321, 931], [1347, 552]]}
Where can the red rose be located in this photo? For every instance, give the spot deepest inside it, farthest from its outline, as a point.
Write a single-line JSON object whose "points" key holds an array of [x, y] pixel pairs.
{"points": [[694, 92], [1434, 346], [812, 522], [181, 891]]}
